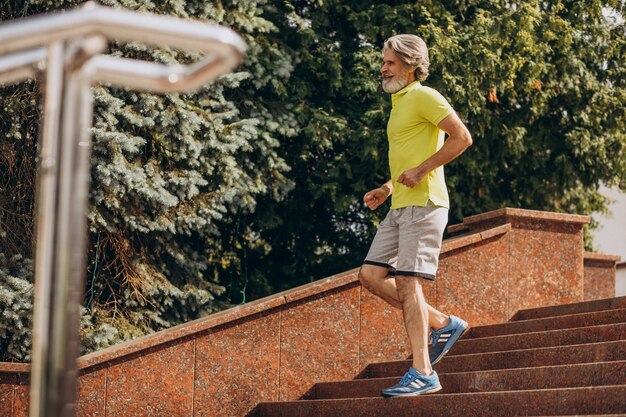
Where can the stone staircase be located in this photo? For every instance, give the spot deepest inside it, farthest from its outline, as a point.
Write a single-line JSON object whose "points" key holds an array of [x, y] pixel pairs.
{"points": [[562, 360], [284, 351]]}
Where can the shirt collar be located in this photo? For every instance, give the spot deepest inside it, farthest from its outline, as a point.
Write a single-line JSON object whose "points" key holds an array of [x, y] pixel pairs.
{"points": [[413, 86]]}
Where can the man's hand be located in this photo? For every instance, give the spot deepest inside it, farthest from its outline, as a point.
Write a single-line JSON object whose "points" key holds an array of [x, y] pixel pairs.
{"points": [[412, 177], [376, 197]]}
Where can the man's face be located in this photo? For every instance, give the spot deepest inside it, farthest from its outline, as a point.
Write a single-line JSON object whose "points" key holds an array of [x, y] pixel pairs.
{"points": [[395, 72]]}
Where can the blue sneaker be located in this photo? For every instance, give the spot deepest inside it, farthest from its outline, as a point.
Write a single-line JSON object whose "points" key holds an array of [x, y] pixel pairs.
{"points": [[443, 339], [414, 383]]}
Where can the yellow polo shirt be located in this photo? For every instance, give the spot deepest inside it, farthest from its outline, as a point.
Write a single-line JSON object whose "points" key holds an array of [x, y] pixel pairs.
{"points": [[414, 137]]}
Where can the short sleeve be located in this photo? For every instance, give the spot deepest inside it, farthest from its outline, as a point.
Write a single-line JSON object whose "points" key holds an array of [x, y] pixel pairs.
{"points": [[433, 106]]}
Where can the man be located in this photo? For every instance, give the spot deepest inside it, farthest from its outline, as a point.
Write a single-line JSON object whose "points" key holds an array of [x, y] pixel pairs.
{"points": [[405, 251]]}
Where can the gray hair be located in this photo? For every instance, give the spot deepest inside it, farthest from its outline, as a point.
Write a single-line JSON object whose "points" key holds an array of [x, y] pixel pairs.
{"points": [[412, 50]]}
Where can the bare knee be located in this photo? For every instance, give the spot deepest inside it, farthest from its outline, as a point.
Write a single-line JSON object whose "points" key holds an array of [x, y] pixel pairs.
{"points": [[370, 275], [409, 288], [365, 278]]}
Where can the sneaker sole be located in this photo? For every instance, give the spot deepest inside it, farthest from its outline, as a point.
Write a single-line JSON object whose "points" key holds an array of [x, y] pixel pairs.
{"points": [[452, 341], [413, 394]]}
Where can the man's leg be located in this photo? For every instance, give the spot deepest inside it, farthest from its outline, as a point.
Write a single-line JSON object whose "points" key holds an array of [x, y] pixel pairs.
{"points": [[420, 378], [415, 312], [376, 279], [446, 329]]}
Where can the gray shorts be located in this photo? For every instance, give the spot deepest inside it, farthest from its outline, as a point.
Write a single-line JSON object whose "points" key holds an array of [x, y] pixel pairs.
{"points": [[408, 241]]}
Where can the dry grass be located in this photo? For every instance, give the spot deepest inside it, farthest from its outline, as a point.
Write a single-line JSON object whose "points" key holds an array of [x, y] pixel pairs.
{"points": [[18, 150]]}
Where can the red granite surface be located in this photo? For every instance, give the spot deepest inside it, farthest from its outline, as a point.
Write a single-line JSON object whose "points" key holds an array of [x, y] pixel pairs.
{"points": [[574, 308], [456, 229], [383, 336], [561, 401], [546, 264], [599, 275], [560, 337], [594, 318], [14, 368], [560, 376], [20, 396], [277, 347], [481, 270], [92, 392], [158, 382], [7, 381], [546, 259], [179, 332], [237, 366], [524, 358], [319, 341], [507, 214]]}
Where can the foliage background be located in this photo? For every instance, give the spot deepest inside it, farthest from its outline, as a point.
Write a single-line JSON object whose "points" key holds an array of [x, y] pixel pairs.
{"points": [[254, 184]]}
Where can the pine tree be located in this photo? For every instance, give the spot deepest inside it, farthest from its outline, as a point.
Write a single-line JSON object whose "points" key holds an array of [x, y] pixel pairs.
{"points": [[16, 304], [170, 173]]}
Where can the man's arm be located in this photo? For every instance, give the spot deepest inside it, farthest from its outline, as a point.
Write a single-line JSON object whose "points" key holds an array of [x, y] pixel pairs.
{"points": [[459, 139], [377, 196]]}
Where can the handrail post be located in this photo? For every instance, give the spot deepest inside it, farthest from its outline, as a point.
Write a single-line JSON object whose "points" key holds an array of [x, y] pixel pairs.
{"points": [[45, 214], [62, 224]]}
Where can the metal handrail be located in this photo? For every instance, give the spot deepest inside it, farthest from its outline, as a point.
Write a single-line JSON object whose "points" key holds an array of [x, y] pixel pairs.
{"points": [[65, 49], [21, 66], [153, 77], [117, 24], [226, 48]]}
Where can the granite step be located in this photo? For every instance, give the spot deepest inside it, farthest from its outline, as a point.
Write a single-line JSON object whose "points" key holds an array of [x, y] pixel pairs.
{"points": [[589, 334], [574, 308], [569, 321], [522, 358], [554, 402], [562, 376]]}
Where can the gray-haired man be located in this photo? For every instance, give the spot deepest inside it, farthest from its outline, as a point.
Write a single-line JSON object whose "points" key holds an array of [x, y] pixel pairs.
{"points": [[406, 248]]}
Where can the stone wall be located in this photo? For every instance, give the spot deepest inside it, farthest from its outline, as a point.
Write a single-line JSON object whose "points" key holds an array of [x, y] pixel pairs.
{"points": [[599, 275]]}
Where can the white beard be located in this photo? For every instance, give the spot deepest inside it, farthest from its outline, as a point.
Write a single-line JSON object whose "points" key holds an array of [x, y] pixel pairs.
{"points": [[395, 84]]}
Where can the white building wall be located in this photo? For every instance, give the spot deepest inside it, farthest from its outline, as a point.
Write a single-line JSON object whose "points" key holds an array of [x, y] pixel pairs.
{"points": [[610, 237]]}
